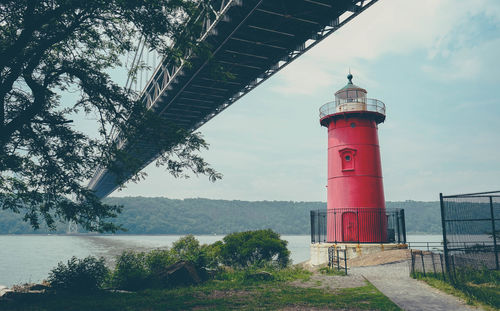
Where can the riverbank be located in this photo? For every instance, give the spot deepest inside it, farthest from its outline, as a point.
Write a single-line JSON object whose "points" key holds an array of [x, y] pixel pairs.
{"points": [[30, 257], [289, 289]]}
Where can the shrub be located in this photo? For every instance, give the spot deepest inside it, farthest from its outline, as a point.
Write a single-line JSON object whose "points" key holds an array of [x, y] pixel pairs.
{"points": [[212, 254], [136, 271], [157, 260], [85, 275], [259, 247], [188, 249], [131, 271]]}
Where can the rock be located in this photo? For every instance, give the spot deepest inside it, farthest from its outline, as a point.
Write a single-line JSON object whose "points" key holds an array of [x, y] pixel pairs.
{"points": [[181, 273], [20, 291], [38, 287], [4, 290]]}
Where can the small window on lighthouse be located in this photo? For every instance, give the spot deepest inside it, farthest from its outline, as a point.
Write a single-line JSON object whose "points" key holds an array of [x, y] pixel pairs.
{"points": [[347, 158]]}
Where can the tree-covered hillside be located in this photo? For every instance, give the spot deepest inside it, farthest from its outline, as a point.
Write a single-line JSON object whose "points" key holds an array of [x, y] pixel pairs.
{"points": [[143, 215]]}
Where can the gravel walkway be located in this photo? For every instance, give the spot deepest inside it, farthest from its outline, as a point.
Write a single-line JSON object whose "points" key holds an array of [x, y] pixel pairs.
{"points": [[409, 294]]}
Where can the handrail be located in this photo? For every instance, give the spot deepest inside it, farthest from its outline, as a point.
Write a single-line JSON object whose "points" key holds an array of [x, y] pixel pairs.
{"points": [[352, 104]]}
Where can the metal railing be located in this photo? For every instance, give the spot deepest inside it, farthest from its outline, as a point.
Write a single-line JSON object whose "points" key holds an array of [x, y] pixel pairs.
{"points": [[337, 259], [352, 104], [391, 219], [427, 246]]}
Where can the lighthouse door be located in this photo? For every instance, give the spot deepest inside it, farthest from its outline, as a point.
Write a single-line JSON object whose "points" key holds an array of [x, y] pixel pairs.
{"points": [[349, 227]]}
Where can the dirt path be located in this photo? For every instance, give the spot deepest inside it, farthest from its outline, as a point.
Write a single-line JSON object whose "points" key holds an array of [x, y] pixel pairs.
{"points": [[393, 280]]}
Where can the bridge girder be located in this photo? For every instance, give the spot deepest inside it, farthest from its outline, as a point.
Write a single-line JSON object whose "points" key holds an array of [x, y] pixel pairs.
{"points": [[251, 39]]}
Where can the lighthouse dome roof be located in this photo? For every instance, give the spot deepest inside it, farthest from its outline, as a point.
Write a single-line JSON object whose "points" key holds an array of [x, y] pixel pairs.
{"points": [[351, 90]]}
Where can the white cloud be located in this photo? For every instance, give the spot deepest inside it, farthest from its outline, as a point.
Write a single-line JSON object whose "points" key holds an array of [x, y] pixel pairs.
{"points": [[441, 29], [303, 77]]}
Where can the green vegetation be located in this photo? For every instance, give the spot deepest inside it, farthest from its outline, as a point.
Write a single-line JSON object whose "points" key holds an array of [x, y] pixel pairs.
{"points": [[203, 216], [477, 287], [79, 275], [266, 282], [332, 271], [136, 271], [251, 250], [56, 57], [254, 248], [229, 291]]}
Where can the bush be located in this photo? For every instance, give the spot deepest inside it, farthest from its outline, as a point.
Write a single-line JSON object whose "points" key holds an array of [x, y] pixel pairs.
{"points": [[259, 247], [80, 275], [136, 271], [131, 271], [212, 253], [157, 260], [188, 249]]}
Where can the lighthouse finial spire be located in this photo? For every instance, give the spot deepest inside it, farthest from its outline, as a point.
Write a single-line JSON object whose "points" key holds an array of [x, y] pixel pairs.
{"points": [[349, 76]]}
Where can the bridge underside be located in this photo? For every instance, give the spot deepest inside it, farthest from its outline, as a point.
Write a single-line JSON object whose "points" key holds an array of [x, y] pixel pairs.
{"points": [[251, 40]]}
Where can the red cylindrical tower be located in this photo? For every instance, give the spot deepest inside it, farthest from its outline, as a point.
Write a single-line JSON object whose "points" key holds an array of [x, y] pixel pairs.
{"points": [[355, 202]]}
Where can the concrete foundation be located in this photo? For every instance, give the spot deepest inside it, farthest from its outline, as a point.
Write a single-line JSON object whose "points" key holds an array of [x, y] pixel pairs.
{"points": [[319, 251]]}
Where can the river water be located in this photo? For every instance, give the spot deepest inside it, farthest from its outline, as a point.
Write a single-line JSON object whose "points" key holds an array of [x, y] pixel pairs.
{"points": [[29, 258]]}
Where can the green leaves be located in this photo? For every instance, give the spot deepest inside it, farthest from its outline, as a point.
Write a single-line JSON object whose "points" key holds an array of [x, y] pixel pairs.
{"points": [[259, 247], [48, 48], [79, 275]]}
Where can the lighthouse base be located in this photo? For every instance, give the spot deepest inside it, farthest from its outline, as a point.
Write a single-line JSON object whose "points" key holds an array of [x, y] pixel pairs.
{"points": [[319, 251]]}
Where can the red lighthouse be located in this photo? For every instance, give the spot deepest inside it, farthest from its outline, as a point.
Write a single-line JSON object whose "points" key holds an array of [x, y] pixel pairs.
{"points": [[355, 202]]}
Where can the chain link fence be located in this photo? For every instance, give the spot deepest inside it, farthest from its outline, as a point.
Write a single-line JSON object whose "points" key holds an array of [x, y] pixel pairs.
{"points": [[471, 224]]}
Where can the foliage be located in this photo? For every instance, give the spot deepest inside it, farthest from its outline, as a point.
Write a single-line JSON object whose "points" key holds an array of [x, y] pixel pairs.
{"points": [[131, 271], [141, 270], [212, 254], [157, 260], [142, 215], [244, 249], [79, 275], [477, 286], [51, 48], [219, 294], [331, 271], [188, 249]]}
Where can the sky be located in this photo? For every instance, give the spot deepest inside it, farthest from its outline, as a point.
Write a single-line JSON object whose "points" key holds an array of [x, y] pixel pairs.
{"points": [[434, 63]]}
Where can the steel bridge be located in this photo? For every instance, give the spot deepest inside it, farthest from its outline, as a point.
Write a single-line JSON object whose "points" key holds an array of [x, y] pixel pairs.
{"points": [[252, 40]]}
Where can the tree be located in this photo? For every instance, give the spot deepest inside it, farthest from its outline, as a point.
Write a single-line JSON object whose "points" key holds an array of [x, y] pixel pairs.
{"points": [[243, 249], [48, 47]]}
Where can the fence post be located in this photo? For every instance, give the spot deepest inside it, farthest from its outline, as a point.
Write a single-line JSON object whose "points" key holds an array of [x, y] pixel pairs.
{"points": [[321, 228], [335, 226], [423, 263], [453, 264], [338, 260], [357, 222], [397, 226], [403, 225], [380, 226], [445, 241], [433, 264], [345, 261], [442, 268], [412, 262], [312, 227], [495, 249]]}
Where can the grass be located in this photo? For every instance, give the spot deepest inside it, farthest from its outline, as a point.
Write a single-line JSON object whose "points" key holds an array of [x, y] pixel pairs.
{"points": [[229, 292], [476, 287], [331, 271]]}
